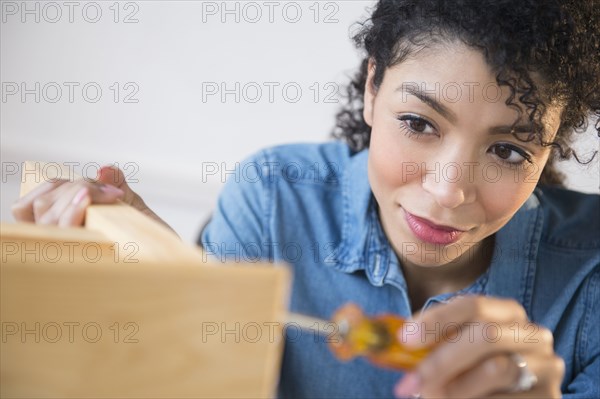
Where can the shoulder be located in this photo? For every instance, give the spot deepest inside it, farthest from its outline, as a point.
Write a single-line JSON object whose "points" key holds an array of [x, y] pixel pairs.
{"points": [[563, 284], [316, 163], [305, 167], [277, 191], [571, 219], [291, 163]]}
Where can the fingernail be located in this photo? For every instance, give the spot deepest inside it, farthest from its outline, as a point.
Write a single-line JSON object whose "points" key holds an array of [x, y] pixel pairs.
{"points": [[112, 190], [81, 194], [409, 386]]}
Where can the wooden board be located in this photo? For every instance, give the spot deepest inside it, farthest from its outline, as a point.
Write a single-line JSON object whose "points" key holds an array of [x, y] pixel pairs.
{"points": [[169, 325], [28, 243], [106, 330]]}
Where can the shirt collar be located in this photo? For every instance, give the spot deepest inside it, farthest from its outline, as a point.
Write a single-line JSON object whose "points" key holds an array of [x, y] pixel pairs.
{"points": [[513, 266], [363, 245], [354, 251]]}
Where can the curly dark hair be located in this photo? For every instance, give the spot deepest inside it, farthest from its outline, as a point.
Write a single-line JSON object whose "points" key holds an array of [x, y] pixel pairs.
{"points": [[557, 40]]}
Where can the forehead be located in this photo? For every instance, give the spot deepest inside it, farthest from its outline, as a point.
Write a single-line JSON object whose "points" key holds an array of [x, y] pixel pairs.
{"points": [[449, 67], [460, 78]]}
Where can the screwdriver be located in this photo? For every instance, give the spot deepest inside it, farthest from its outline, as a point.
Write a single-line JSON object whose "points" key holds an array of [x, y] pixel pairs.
{"points": [[375, 338]]}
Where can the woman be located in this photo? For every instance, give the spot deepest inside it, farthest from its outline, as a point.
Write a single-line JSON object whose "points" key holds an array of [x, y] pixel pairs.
{"points": [[443, 202]]}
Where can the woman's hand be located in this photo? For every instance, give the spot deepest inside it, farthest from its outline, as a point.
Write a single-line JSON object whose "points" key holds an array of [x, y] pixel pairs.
{"points": [[63, 202], [474, 340]]}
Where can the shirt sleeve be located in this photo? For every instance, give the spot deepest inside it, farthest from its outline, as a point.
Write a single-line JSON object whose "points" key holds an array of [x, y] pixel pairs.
{"points": [[586, 383], [237, 229]]}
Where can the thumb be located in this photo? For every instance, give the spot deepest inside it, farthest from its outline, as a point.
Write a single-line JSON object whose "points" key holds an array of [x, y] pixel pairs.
{"points": [[114, 176]]}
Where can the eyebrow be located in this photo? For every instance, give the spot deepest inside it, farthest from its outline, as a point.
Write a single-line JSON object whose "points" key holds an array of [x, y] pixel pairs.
{"points": [[451, 116]]}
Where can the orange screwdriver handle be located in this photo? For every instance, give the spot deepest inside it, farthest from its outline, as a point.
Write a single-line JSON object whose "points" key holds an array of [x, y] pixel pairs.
{"points": [[375, 338]]}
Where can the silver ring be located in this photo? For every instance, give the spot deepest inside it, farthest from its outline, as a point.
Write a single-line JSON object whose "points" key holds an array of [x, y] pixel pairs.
{"points": [[527, 379]]}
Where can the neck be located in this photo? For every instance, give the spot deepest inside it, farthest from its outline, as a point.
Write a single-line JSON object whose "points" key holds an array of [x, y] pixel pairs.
{"points": [[425, 281]]}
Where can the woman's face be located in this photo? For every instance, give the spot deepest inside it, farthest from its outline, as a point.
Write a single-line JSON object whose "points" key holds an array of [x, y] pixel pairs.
{"points": [[443, 166]]}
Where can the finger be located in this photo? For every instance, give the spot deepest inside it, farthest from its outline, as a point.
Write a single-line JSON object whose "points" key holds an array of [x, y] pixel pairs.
{"points": [[495, 374], [408, 387], [448, 360], [74, 214], [499, 374], [451, 316], [44, 202], [65, 195], [22, 209], [105, 193], [61, 200], [112, 175]]}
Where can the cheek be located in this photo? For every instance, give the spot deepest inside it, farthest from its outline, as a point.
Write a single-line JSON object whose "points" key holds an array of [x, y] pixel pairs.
{"points": [[499, 205], [391, 165], [500, 200], [381, 162]]}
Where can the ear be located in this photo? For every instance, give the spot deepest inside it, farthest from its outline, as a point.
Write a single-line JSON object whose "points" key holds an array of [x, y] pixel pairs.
{"points": [[370, 92]]}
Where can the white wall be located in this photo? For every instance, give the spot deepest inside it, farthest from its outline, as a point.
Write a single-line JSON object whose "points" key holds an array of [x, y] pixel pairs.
{"points": [[170, 57]]}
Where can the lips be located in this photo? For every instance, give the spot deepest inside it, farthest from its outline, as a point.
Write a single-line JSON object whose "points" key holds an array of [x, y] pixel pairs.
{"points": [[430, 232]]}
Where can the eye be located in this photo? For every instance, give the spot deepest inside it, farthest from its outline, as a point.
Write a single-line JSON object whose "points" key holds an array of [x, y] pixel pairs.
{"points": [[509, 154], [413, 124]]}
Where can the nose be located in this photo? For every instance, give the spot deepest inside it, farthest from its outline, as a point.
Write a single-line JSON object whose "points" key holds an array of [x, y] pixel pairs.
{"points": [[448, 183]]}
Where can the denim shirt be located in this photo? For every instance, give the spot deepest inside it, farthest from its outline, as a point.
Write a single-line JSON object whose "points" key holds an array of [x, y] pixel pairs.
{"points": [[311, 206]]}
